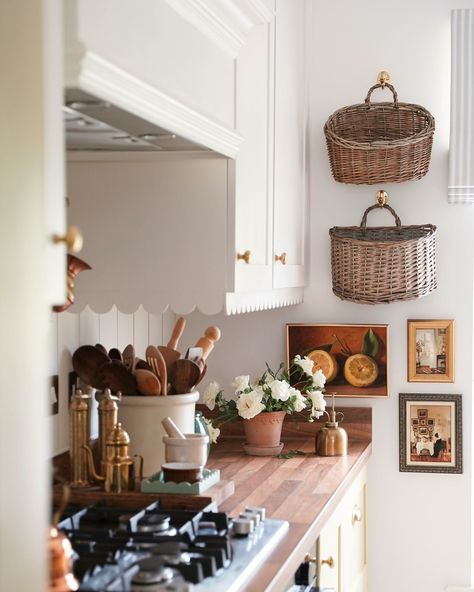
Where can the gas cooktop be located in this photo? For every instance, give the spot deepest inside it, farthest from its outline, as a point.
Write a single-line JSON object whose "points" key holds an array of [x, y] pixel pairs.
{"points": [[152, 549]]}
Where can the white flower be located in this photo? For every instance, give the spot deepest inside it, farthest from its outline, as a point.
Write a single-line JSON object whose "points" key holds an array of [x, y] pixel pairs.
{"points": [[249, 404], [305, 364], [280, 389], [241, 383], [299, 403], [213, 432], [318, 403], [210, 394], [319, 380]]}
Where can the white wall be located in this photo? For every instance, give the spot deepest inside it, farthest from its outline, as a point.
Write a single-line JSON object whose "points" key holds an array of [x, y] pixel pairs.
{"points": [[419, 523]]}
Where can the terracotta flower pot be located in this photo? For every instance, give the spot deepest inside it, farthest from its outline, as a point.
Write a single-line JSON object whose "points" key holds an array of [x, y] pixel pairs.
{"points": [[263, 433]]}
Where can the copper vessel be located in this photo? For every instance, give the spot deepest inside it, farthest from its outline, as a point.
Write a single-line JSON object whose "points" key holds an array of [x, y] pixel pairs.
{"points": [[74, 268], [332, 439], [119, 467], [61, 578], [79, 433]]}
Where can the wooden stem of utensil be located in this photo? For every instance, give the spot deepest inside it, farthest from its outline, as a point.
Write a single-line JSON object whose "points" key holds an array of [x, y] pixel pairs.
{"points": [[172, 429], [177, 332], [211, 335], [162, 372]]}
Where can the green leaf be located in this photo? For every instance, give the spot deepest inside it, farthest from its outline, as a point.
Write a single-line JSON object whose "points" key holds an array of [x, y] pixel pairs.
{"points": [[291, 454], [370, 344]]}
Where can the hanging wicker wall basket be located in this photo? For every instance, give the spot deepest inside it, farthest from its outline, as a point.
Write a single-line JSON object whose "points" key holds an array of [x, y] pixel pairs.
{"points": [[371, 143], [374, 265]]}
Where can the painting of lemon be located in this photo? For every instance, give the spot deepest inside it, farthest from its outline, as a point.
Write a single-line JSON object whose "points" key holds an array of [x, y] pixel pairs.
{"points": [[326, 362], [360, 370]]}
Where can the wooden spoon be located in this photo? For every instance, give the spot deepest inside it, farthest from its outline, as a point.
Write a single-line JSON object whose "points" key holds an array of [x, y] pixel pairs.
{"points": [[118, 378], [128, 357], [169, 352], [148, 383], [115, 354], [87, 362], [203, 374], [101, 347], [184, 374]]}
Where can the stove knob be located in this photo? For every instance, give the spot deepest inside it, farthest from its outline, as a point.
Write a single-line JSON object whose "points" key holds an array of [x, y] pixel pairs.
{"points": [[257, 510], [242, 526], [251, 516]]}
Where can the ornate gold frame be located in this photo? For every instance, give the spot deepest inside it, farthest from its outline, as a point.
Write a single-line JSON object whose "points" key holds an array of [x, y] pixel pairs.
{"points": [[412, 327]]}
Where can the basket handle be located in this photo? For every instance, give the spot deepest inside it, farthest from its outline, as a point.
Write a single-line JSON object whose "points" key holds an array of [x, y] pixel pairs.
{"points": [[363, 224], [386, 85]]}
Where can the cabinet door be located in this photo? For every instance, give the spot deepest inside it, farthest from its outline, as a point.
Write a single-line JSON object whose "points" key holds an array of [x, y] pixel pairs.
{"points": [[329, 555], [354, 527], [254, 163], [290, 201]]}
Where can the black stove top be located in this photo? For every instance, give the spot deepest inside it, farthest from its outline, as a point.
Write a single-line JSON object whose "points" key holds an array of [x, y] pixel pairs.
{"points": [[151, 549]]}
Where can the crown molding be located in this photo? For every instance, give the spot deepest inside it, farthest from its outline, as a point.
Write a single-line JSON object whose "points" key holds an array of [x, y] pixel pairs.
{"points": [[225, 24], [107, 81]]}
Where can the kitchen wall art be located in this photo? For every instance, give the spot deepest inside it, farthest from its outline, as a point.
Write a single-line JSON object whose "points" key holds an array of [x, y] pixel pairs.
{"points": [[430, 433], [353, 358], [431, 351]]}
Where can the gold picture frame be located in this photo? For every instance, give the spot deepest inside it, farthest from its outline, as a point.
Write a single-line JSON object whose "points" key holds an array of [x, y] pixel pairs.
{"points": [[430, 350]]}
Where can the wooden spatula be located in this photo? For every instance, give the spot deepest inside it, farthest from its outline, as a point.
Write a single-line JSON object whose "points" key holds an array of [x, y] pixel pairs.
{"points": [[128, 356], [169, 352], [184, 374], [87, 362], [148, 383], [118, 378], [158, 365]]}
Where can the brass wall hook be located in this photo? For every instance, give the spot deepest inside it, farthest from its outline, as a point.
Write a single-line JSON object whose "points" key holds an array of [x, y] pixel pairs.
{"points": [[382, 198], [383, 77]]}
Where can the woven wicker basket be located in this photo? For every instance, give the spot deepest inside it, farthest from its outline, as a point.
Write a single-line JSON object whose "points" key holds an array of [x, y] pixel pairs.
{"points": [[383, 264], [379, 142]]}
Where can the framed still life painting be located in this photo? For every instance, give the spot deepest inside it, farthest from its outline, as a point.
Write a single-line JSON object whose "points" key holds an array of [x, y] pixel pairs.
{"points": [[430, 433], [353, 358]]}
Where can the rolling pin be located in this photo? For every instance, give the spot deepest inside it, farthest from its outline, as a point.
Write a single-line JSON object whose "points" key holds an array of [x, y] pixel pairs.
{"points": [[211, 335]]}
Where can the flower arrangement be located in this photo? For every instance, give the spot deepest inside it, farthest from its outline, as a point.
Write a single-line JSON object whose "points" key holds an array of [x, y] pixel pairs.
{"points": [[271, 392]]}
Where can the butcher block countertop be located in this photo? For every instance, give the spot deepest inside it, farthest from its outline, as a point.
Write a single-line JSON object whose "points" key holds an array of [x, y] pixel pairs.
{"points": [[304, 490]]}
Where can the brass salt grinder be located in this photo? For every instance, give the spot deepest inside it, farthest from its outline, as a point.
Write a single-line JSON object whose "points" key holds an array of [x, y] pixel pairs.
{"points": [[108, 417], [79, 433], [332, 440], [119, 469]]}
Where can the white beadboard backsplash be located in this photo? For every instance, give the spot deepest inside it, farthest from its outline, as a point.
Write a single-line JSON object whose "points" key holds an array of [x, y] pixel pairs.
{"points": [[67, 331]]}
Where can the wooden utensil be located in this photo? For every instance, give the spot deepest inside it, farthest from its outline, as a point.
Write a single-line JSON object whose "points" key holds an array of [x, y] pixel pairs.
{"points": [[118, 378], [115, 354], [102, 348], [184, 374], [148, 383], [203, 374], [158, 365], [128, 357], [87, 362], [142, 365], [169, 352], [211, 335]]}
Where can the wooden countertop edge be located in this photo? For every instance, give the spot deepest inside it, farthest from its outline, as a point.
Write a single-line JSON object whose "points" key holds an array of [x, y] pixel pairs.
{"points": [[270, 581]]}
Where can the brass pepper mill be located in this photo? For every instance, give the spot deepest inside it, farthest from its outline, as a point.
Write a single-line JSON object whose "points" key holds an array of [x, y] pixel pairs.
{"points": [[332, 440], [119, 469], [108, 417], [78, 437]]}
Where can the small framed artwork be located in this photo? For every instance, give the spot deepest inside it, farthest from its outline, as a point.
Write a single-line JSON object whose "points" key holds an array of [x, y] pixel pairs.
{"points": [[431, 351], [353, 358], [437, 449]]}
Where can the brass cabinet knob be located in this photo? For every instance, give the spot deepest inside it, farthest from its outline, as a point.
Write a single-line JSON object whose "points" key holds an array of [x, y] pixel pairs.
{"points": [[245, 256], [356, 515], [308, 558], [329, 562], [73, 239], [283, 258]]}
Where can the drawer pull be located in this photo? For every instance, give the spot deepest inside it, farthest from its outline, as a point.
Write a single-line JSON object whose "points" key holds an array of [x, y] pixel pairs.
{"points": [[308, 558], [329, 562], [356, 515], [72, 239], [245, 256], [283, 258]]}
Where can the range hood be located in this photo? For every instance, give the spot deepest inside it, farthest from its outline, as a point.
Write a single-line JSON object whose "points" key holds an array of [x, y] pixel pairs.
{"points": [[94, 124]]}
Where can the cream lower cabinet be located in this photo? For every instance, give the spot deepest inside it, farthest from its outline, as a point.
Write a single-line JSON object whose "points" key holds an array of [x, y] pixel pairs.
{"points": [[342, 544]]}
